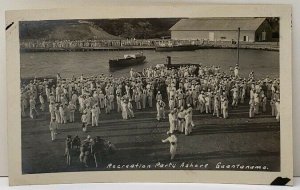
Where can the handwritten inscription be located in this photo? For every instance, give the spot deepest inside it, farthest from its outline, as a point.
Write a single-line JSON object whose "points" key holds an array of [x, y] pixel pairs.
{"points": [[186, 165]]}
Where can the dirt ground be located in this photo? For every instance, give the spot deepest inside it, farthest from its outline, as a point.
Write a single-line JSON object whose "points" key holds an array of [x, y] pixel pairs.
{"points": [[215, 143]]}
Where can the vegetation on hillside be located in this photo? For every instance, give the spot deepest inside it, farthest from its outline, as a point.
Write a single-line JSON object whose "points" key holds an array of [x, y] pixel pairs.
{"points": [[138, 28], [146, 28], [97, 29]]}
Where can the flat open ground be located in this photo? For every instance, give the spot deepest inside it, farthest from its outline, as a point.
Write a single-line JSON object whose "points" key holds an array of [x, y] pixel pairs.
{"points": [[232, 141]]}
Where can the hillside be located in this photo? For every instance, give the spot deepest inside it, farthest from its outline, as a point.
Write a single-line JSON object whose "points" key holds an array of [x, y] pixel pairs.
{"points": [[63, 30], [140, 28], [97, 29], [81, 31]]}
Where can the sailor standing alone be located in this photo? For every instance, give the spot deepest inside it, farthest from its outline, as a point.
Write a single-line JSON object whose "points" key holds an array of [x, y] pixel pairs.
{"points": [[173, 144], [53, 127], [236, 70]]}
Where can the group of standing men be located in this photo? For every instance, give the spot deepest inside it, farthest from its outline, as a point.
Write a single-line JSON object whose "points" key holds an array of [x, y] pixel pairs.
{"points": [[181, 91]]}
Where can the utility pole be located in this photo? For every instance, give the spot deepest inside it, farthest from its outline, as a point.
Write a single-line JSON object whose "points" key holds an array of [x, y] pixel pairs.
{"points": [[238, 46]]}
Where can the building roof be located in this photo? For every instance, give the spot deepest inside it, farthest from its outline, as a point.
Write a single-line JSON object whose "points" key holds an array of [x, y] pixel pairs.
{"points": [[218, 24]]}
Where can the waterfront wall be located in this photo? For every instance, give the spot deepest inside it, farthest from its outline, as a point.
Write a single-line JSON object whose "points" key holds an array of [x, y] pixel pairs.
{"points": [[119, 45]]}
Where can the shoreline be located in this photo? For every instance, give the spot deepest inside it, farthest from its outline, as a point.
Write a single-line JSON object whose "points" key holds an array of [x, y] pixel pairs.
{"points": [[135, 48]]}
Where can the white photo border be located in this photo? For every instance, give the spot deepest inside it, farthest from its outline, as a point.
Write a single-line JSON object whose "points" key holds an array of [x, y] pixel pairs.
{"points": [[149, 11]]}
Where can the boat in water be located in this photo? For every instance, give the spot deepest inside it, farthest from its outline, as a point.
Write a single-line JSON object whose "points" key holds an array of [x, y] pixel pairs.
{"points": [[170, 65], [128, 60], [177, 48]]}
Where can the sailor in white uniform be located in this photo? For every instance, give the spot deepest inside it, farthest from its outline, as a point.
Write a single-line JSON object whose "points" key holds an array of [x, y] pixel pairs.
{"points": [[42, 101], [144, 98], [130, 109], [118, 98], [32, 111], [171, 103], [251, 109], [277, 105], [160, 106], [236, 70], [150, 97], [172, 121], [181, 119], [95, 116], [101, 99], [188, 122], [53, 127], [124, 107], [72, 109], [172, 139]]}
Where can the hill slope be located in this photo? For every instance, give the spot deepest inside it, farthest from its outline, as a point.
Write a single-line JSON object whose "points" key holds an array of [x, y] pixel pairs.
{"points": [[62, 30], [97, 29]]}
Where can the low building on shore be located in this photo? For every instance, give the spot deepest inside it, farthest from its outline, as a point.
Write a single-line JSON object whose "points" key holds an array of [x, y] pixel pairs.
{"points": [[223, 29]]}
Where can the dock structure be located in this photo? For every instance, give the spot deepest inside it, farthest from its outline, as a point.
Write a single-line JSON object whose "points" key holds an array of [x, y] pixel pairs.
{"points": [[65, 46], [86, 49]]}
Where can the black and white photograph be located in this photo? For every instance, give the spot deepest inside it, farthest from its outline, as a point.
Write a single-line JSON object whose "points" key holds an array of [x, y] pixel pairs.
{"points": [[120, 94], [150, 94]]}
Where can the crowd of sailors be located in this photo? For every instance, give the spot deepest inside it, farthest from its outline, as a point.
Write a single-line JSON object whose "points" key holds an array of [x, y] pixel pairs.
{"points": [[175, 93]]}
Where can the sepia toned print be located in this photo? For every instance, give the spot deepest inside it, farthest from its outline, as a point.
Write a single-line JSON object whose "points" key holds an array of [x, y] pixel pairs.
{"points": [[138, 95], [206, 87]]}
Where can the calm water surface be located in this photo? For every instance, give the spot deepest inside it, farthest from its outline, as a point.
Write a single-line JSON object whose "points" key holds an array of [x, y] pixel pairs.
{"points": [[46, 64]]}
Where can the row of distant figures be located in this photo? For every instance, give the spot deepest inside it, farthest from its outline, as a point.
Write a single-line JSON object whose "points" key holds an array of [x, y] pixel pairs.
{"points": [[72, 44]]}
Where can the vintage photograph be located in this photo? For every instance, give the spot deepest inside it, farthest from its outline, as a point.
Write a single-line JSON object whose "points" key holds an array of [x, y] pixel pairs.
{"points": [[150, 94]]}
